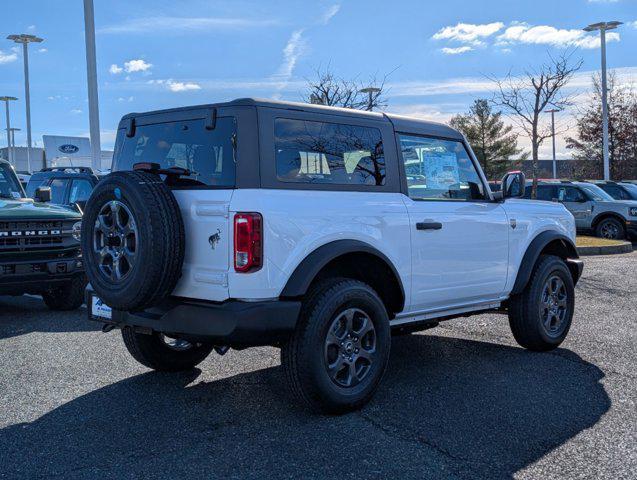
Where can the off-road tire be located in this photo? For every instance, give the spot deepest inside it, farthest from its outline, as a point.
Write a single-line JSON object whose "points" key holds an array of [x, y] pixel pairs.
{"points": [[152, 352], [525, 317], [69, 296], [302, 356], [616, 226], [161, 245]]}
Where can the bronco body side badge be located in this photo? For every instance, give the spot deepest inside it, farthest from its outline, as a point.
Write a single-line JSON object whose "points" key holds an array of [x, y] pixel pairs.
{"points": [[214, 239]]}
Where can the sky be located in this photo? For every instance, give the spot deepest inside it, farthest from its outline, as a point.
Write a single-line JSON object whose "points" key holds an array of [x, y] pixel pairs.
{"points": [[439, 56]]}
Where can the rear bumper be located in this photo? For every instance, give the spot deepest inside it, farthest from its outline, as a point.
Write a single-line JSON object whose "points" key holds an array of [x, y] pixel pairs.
{"points": [[232, 323]]}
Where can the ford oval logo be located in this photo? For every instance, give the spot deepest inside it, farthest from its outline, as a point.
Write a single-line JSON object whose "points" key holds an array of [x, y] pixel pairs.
{"points": [[68, 148]]}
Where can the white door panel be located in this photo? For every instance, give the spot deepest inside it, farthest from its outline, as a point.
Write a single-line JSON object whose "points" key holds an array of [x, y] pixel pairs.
{"points": [[208, 243], [465, 260]]}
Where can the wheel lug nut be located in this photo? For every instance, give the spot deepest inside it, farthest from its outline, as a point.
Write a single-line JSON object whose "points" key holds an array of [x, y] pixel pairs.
{"points": [[356, 350]]}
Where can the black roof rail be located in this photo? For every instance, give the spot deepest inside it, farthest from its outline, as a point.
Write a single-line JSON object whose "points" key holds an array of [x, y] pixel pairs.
{"points": [[88, 170]]}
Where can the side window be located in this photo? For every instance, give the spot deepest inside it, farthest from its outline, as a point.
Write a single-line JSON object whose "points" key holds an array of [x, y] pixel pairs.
{"points": [[328, 153], [439, 170], [80, 191], [58, 189], [616, 192], [545, 192], [33, 185], [570, 194]]}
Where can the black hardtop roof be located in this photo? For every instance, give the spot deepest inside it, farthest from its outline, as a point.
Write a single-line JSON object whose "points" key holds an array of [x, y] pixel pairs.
{"points": [[401, 123]]}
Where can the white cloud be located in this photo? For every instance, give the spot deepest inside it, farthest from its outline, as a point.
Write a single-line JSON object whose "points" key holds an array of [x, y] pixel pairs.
{"points": [[136, 66], [633, 24], [76, 111], [329, 14], [457, 50], [294, 48], [7, 57], [181, 86], [547, 35], [603, 1], [184, 24], [43, 50], [483, 86], [31, 28], [469, 32], [115, 69]]}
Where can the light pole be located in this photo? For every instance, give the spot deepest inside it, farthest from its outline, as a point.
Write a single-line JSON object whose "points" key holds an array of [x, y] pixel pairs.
{"points": [[370, 91], [6, 101], [25, 39], [603, 27], [13, 130], [552, 112], [91, 77]]}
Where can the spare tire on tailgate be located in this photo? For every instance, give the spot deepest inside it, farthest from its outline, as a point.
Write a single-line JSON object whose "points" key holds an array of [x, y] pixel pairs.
{"points": [[132, 240]]}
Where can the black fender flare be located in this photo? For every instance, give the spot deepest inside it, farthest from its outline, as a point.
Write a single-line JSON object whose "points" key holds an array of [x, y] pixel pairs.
{"points": [[601, 215], [533, 253], [303, 275]]}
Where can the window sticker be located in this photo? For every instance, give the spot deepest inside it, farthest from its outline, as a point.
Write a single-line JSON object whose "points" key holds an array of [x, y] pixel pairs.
{"points": [[440, 170]]}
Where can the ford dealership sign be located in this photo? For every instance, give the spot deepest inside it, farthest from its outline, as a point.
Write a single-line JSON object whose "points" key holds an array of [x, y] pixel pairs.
{"points": [[68, 148]]}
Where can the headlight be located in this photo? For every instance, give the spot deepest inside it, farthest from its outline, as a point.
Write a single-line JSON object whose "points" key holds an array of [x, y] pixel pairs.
{"points": [[633, 211], [77, 231]]}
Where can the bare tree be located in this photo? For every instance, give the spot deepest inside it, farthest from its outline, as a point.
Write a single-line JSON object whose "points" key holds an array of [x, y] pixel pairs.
{"points": [[328, 89], [525, 98]]}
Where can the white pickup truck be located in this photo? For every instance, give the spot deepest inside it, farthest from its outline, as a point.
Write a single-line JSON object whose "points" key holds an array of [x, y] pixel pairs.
{"points": [[318, 230]]}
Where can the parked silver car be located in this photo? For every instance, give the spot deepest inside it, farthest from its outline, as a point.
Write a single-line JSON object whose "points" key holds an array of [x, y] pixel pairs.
{"points": [[595, 211]]}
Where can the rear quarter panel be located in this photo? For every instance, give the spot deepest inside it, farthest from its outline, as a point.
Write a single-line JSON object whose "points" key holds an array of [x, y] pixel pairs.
{"points": [[297, 222]]}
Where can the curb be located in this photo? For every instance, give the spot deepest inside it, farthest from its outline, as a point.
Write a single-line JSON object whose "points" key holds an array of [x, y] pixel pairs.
{"points": [[624, 247]]}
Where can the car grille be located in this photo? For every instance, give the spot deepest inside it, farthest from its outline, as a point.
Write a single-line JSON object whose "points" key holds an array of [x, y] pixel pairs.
{"points": [[29, 236]]}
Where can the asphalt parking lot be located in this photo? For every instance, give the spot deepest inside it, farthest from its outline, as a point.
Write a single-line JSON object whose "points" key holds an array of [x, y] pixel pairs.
{"points": [[459, 401]]}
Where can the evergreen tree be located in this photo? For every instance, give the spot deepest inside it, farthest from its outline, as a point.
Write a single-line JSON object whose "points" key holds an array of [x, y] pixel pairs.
{"points": [[493, 142], [622, 133]]}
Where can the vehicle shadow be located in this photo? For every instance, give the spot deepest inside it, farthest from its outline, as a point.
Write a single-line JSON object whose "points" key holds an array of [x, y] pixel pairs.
{"points": [[26, 314], [448, 408]]}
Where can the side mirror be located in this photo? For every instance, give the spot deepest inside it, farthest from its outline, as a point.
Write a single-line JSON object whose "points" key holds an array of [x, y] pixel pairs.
{"points": [[42, 194], [513, 185]]}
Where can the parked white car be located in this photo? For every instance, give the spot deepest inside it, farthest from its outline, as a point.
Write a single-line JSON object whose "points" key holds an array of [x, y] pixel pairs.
{"points": [[270, 223]]}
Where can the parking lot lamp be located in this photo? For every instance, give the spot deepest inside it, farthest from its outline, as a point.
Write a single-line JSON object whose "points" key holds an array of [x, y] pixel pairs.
{"points": [[25, 39], [370, 91], [603, 27], [552, 112], [6, 101]]}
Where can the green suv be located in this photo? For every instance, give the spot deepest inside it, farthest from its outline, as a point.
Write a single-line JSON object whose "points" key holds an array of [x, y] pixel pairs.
{"points": [[39, 246]]}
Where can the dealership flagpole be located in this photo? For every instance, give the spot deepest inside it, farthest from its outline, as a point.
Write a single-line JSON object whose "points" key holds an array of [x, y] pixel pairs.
{"points": [[91, 76]]}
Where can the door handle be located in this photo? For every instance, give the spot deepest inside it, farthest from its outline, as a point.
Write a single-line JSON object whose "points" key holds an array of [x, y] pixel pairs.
{"points": [[428, 226]]}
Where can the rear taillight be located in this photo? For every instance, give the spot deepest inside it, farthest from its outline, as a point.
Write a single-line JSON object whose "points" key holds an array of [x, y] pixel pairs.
{"points": [[248, 242]]}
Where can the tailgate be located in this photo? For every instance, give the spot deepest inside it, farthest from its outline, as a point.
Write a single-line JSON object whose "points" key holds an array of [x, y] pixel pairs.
{"points": [[208, 243]]}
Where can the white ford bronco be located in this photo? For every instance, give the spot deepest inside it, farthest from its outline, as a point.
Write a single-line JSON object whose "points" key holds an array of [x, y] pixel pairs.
{"points": [[318, 230]]}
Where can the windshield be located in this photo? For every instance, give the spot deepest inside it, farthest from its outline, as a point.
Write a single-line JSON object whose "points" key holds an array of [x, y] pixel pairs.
{"points": [[9, 184], [596, 193], [631, 189], [210, 155]]}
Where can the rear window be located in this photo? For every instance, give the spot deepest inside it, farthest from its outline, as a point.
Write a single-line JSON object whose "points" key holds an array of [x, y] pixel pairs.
{"points": [[332, 153], [210, 155]]}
